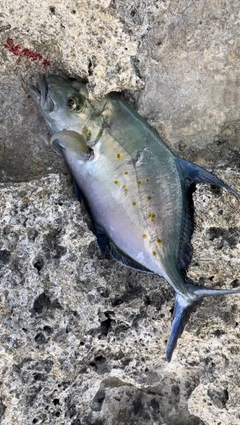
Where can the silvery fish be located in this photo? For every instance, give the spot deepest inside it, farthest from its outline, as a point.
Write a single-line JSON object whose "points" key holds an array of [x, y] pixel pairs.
{"points": [[137, 192]]}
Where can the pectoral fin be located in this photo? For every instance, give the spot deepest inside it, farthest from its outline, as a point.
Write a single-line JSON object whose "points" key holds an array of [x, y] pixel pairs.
{"points": [[72, 142]]}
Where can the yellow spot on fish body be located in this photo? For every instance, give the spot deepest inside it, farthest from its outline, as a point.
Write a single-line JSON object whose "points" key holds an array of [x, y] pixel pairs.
{"points": [[148, 180], [144, 236], [116, 181], [124, 187], [126, 173], [139, 182], [154, 253], [118, 156], [159, 241], [149, 197], [134, 203], [152, 217]]}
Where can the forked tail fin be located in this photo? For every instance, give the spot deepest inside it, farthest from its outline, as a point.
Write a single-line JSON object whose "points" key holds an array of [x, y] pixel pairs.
{"points": [[183, 308]]}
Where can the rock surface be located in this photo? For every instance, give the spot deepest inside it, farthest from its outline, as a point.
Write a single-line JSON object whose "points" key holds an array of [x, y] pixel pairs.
{"points": [[83, 338]]}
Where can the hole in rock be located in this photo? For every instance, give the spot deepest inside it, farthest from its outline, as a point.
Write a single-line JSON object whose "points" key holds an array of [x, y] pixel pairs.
{"points": [[42, 302]]}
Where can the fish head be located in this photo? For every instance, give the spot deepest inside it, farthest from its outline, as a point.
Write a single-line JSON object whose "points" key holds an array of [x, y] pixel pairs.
{"points": [[62, 103]]}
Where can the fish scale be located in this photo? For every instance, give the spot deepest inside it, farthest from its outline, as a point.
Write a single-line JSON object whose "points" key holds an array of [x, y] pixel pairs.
{"points": [[137, 192]]}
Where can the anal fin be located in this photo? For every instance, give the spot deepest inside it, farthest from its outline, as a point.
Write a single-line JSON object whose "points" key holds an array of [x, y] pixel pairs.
{"points": [[125, 260], [102, 238]]}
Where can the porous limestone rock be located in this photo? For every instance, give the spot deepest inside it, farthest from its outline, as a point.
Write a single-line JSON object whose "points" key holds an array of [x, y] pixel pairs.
{"points": [[83, 338]]}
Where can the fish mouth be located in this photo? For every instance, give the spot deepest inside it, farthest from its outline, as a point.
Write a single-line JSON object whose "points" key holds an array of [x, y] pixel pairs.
{"points": [[39, 95]]}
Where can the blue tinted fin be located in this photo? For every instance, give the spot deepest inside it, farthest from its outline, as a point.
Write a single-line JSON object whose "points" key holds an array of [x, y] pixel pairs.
{"points": [[181, 314], [183, 308], [201, 292], [125, 260], [77, 190], [199, 175], [193, 174], [102, 238]]}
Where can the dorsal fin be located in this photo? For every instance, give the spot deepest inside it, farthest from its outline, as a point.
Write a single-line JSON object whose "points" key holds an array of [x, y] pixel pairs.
{"points": [[197, 174], [192, 174]]}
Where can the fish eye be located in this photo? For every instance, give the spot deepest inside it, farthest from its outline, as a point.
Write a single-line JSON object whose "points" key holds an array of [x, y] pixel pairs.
{"points": [[74, 104]]}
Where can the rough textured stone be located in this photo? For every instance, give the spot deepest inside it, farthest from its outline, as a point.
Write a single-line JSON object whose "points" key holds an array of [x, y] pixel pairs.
{"points": [[83, 338]]}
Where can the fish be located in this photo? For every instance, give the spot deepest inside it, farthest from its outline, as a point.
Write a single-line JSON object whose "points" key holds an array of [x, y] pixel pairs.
{"points": [[137, 192]]}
